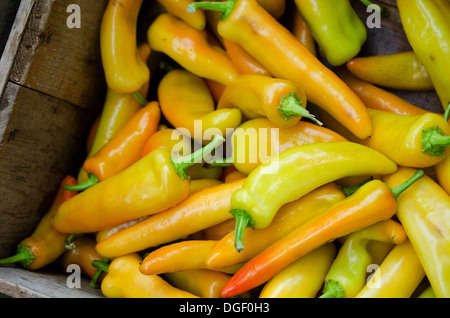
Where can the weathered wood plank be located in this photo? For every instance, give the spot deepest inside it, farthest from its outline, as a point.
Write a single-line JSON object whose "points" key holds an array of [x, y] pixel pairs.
{"points": [[60, 61], [20, 283], [7, 16], [43, 140]]}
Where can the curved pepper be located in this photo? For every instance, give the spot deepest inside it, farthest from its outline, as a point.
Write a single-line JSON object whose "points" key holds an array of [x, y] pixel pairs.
{"points": [[154, 183], [294, 173], [347, 275], [424, 211], [169, 139], [92, 132], [189, 47], [125, 71], [372, 202], [203, 283], [397, 277], [83, 254], [302, 32], [197, 212], [200, 184], [244, 62], [398, 71], [288, 218], [281, 101], [337, 29], [181, 256], [124, 280], [303, 278], [117, 110], [187, 104], [266, 140], [427, 293], [442, 169], [410, 140], [427, 29], [45, 244], [125, 148], [178, 9], [248, 24], [218, 231], [378, 98]]}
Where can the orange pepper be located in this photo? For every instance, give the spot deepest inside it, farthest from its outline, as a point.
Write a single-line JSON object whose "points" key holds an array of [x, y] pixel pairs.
{"points": [[197, 212], [371, 203], [288, 218], [378, 98], [248, 24], [126, 147], [181, 256], [244, 62], [189, 48]]}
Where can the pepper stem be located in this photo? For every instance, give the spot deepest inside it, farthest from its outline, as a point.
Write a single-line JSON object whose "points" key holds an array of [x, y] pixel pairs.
{"points": [[182, 163], [140, 98], [348, 191], [23, 256], [368, 3], [69, 243], [93, 180], [226, 7], [405, 185], [291, 106], [102, 266], [447, 112], [222, 162], [434, 141], [243, 220], [332, 289]]}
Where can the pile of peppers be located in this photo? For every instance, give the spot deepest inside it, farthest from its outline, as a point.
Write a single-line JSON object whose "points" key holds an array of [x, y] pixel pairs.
{"points": [[174, 200]]}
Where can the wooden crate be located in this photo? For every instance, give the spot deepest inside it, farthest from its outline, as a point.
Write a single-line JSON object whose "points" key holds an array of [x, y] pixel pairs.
{"points": [[52, 87]]}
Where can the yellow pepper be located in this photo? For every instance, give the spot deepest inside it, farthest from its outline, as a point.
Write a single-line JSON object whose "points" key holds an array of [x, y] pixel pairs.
{"points": [[288, 218], [125, 71], [426, 27], [178, 9], [347, 274], [153, 184], [204, 283], [442, 169], [398, 275], [398, 71], [124, 280], [424, 211], [189, 48], [294, 173], [282, 101], [188, 105], [302, 278]]}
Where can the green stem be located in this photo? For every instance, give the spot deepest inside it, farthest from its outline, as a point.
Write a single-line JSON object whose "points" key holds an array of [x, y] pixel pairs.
{"points": [[348, 191], [223, 162], [102, 266], [141, 99], [226, 7], [447, 112], [332, 289], [23, 256], [243, 220], [69, 243], [405, 185], [434, 141], [291, 106], [93, 180], [368, 3], [182, 163]]}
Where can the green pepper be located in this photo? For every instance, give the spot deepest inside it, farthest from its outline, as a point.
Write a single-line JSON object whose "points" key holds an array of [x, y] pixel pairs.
{"points": [[337, 29], [427, 27], [347, 274]]}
